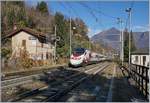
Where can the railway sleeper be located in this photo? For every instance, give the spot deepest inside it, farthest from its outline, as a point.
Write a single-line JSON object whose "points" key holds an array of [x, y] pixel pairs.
{"points": [[65, 91], [54, 89], [70, 81], [29, 100], [23, 95], [39, 97], [48, 93], [83, 97]]}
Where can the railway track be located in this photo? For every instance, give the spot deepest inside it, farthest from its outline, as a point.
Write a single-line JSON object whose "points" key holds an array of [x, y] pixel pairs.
{"points": [[57, 89], [19, 80]]}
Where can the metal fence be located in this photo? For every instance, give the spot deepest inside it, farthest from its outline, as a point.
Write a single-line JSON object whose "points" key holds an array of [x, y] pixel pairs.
{"points": [[140, 75]]}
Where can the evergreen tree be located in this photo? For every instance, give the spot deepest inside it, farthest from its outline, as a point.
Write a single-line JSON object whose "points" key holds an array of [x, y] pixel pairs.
{"points": [[126, 44], [63, 32], [10, 17], [42, 7], [18, 3], [81, 27]]}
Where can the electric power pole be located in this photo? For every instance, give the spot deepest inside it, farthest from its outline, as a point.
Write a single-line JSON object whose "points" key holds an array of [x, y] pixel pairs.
{"points": [[70, 38], [122, 35], [129, 11], [121, 41], [55, 45], [89, 44]]}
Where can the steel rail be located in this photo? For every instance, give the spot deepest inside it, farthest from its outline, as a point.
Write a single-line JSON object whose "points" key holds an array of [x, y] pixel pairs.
{"points": [[21, 80], [55, 95]]}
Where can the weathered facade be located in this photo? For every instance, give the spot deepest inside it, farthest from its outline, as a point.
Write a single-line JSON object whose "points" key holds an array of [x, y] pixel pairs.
{"points": [[34, 43]]}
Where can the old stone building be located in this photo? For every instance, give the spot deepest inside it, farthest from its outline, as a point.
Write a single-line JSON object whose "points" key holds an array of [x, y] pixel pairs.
{"points": [[36, 44]]}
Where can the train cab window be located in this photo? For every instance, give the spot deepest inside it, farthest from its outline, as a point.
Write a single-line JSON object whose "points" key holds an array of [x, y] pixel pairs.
{"points": [[79, 51]]}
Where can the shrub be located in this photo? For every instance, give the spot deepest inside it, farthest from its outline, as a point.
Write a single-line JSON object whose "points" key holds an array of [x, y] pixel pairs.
{"points": [[5, 53], [24, 59], [27, 63]]}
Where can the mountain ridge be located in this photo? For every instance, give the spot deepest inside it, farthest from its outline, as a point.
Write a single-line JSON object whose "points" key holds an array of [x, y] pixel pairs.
{"points": [[111, 37]]}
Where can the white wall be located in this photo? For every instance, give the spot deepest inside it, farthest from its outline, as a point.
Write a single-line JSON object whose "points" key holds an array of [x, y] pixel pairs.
{"points": [[140, 60]]}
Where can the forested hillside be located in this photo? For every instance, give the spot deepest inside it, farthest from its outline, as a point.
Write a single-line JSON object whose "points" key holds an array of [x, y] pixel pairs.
{"points": [[42, 19]]}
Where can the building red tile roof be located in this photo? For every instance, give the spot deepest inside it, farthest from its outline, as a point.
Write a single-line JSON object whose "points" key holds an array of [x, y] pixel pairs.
{"points": [[28, 30]]}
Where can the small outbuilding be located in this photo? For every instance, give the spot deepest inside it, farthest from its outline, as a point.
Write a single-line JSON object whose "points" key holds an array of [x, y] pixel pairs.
{"points": [[141, 57]]}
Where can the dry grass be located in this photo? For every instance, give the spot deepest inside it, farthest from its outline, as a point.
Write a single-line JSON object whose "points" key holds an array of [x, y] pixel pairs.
{"points": [[16, 66], [33, 85], [17, 70]]}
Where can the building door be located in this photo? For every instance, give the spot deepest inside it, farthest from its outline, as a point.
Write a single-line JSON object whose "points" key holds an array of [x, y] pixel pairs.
{"points": [[42, 56], [144, 60], [24, 44]]}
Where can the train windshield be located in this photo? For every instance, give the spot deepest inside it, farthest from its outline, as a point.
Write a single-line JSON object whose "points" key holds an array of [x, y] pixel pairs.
{"points": [[78, 51]]}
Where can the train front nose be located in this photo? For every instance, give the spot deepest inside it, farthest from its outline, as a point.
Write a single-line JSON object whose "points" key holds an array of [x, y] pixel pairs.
{"points": [[75, 61]]}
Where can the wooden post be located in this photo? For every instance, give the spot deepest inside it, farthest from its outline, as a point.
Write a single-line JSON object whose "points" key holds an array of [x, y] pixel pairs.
{"points": [[146, 83], [139, 77], [136, 75], [142, 80]]}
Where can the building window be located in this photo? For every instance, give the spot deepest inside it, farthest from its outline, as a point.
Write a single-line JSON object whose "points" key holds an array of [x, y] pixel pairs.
{"points": [[24, 43], [46, 55], [144, 60], [42, 56], [33, 42], [136, 58], [32, 38]]}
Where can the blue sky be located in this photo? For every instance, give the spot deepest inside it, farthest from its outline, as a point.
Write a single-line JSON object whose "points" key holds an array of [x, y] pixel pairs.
{"points": [[106, 18]]}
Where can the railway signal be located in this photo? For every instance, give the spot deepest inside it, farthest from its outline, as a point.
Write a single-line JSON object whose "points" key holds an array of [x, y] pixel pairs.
{"points": [[54, 38]]}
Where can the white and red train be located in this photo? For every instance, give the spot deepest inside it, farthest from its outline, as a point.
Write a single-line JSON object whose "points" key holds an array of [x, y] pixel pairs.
{"points": [[82, 56]]}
